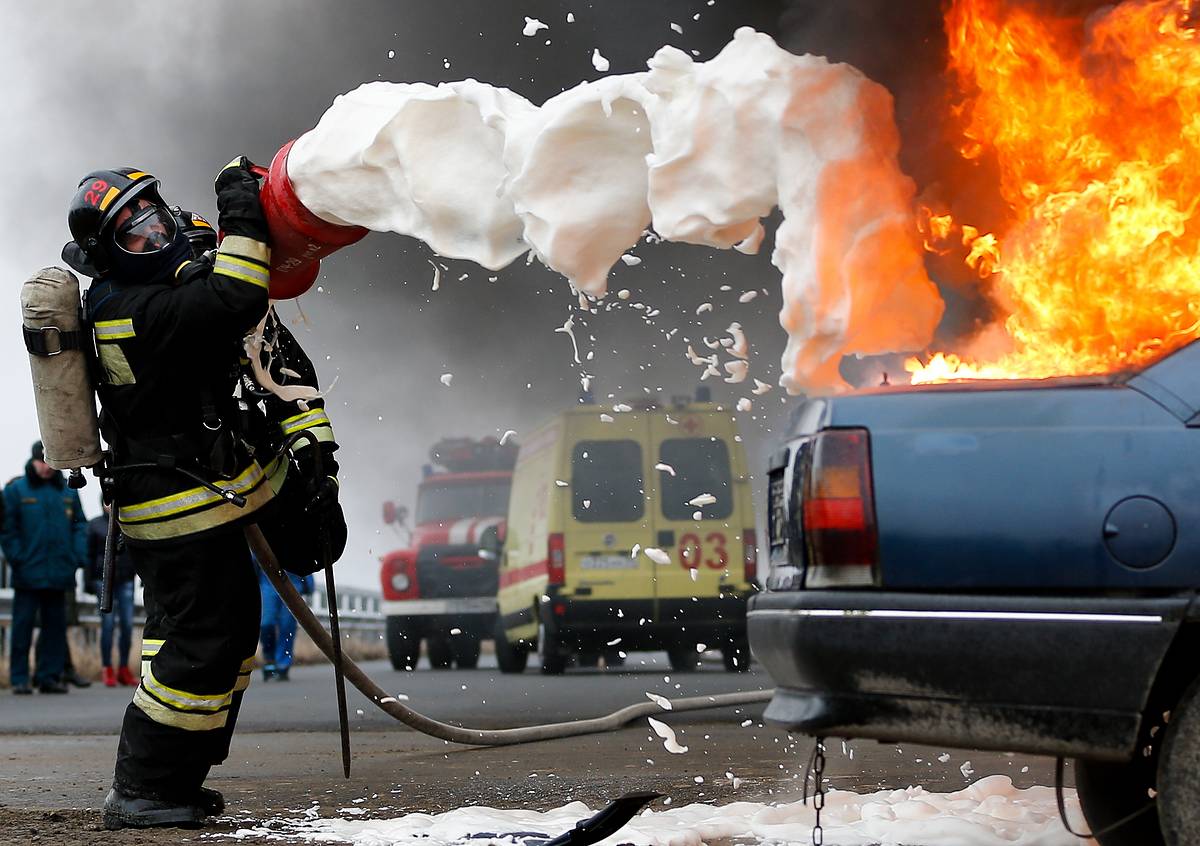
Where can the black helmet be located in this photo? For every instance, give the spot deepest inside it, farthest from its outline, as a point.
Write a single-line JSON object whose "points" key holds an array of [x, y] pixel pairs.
{"points": [[200, 233], [101, 194]]}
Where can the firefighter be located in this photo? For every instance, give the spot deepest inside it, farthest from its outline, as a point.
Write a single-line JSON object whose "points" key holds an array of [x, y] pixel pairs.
{"points": [[167, 330], [307, 502]]}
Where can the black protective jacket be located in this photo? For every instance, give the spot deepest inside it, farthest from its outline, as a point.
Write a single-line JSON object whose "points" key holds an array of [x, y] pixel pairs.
{"points": [[168, 357]]}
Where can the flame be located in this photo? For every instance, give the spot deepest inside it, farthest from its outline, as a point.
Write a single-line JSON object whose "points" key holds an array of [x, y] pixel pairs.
{"points": [[1094, 129]]}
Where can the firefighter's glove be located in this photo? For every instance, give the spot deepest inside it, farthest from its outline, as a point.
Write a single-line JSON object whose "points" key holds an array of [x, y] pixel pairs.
{"points": [[238, 209], [322, 496]]}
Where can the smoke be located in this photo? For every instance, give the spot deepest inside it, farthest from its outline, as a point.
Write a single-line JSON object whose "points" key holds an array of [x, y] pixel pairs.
{"points": [[180, 90]]}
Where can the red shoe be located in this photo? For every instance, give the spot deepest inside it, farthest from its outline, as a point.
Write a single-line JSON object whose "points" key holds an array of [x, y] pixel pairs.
{"points": [[110, 678], [126, 678]]}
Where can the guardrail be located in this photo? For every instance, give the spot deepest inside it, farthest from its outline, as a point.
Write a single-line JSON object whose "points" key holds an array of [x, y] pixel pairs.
{"points": [[359, 610]]}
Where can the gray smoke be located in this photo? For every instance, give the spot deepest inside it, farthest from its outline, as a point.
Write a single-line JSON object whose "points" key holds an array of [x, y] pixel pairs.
{"points": [[180, 90]]}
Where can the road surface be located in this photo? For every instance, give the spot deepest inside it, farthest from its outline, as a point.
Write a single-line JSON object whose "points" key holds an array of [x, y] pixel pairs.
{"points": [[57, 751]]}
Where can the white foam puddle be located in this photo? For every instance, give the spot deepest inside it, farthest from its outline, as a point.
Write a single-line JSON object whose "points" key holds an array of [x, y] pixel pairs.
{"points": [[991, 812]]}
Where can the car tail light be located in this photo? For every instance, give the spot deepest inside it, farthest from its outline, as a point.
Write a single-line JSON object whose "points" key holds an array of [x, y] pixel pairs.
{"points": [[749, 555], [840, 534], [557, 559]]}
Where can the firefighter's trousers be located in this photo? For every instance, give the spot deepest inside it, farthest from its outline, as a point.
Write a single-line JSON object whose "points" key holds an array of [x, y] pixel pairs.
{"points": [[198, 654]]}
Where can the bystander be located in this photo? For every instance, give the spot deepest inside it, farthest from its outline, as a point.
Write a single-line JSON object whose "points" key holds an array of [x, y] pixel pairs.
{"points": [[277, 633], [121, 615], [44, 540]]}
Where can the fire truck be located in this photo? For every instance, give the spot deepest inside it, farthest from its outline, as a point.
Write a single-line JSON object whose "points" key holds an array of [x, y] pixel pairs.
{"points": [[441, 588]]}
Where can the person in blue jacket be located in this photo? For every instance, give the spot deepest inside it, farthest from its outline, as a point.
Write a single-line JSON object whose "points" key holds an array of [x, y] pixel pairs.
{"points": [[45, 541], [277, 632]]}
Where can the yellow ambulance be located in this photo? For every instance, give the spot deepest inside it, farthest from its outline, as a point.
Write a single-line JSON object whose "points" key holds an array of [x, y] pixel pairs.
{"points": [[628, 529]]}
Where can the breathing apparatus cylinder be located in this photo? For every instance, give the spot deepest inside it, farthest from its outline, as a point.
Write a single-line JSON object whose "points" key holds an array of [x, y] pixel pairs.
{"points": [[299, 239], [59, 347]]}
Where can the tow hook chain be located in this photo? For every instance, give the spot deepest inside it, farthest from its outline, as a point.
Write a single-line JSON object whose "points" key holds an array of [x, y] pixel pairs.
{"points": [[816, 767]]}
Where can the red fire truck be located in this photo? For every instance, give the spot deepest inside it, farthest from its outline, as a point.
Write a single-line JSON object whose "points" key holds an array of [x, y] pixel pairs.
{"points": [[442, 587]]}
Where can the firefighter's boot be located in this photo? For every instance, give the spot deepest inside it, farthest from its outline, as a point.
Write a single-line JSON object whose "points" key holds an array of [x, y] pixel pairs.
{"points": [[211, 802], [121, 810]]}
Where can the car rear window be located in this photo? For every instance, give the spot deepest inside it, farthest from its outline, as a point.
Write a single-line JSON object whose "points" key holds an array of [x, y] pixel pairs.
{"points": [[607, 485], [701, 466]]}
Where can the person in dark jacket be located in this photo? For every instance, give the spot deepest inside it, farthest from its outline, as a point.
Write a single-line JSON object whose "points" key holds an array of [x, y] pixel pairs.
{"points": [[121, 615], [44, 539]]}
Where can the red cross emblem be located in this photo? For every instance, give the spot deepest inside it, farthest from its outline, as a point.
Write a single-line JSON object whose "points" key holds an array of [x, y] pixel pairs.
{"points": [[690, 425]]}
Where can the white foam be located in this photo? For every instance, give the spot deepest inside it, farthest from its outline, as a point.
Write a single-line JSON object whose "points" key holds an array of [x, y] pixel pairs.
{"points": [[700, 151], [990, 812]]}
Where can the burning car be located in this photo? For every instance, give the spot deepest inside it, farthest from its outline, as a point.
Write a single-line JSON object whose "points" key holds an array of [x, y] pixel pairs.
{"points": [[1000, 565]]}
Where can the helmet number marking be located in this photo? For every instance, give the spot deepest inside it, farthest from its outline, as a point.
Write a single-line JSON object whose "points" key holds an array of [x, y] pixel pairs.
{"points": [[96, 192]]}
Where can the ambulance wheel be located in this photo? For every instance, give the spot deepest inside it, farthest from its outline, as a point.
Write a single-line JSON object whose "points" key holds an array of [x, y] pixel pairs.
{"points": [[736, 655], [403, 644], [554, 659], [440, 652], [684, 657], [510, 657], [466, 650]]}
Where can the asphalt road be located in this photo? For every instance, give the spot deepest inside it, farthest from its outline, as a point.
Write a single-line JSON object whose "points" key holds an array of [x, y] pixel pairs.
{"points": [[56, 752]]}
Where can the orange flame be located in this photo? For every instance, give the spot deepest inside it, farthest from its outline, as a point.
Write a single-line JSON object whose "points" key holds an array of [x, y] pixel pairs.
{"points": [[1094, 127]]}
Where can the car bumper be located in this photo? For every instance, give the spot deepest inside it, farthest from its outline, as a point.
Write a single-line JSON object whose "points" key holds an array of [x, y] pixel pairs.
{"points": [[1054, 676]]}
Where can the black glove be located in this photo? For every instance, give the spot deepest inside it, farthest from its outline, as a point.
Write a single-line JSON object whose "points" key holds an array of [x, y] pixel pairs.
{"points": [[238, 209], [322, 497]]}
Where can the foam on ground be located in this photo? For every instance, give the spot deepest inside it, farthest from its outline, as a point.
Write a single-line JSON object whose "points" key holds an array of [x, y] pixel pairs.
{"points": [[991, 812], [700, 151]]}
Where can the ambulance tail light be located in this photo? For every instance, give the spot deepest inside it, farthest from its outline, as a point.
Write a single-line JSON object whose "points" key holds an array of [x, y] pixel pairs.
{"points": [[841, 538], [557, 559], [749, 555]]}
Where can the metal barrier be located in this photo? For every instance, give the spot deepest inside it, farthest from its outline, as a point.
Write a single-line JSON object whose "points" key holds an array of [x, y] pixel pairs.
{"points": [[359, 610]]}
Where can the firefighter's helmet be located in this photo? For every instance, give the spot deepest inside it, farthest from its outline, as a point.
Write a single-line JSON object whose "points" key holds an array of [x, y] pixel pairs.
{"points": [[100, 196], [200, 233]]}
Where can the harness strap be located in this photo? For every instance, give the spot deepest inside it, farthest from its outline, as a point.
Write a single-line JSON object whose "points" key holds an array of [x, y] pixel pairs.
{"points": [[38, 341]]}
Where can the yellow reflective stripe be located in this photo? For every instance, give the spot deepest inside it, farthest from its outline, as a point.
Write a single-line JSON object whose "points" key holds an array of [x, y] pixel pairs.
{"points": [[245, 271], [150, 647], [135, 175], [247, 248], [160, 713], [109, 197], [113, 330], [184, 699], [188, 524], [189, 499], [304, 420], [247, 665]]}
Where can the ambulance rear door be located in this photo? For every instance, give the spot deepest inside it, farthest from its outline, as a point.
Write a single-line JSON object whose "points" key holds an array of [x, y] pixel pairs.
{"points": [[607, 512], [703, 540]]}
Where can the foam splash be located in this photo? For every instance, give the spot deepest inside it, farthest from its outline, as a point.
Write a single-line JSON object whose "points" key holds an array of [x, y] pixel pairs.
{"points": [[991, 812], [700, 151]]}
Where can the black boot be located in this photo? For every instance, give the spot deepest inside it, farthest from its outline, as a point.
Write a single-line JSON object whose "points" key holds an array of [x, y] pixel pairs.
{"points": [[211, 802], [122, 810]]}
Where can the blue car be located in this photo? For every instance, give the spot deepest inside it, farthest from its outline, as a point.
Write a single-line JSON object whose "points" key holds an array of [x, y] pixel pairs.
{"points": [[1011, 566]]}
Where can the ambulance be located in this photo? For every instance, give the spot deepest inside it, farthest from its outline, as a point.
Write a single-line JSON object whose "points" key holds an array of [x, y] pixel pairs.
{"points": [[629, 530]]}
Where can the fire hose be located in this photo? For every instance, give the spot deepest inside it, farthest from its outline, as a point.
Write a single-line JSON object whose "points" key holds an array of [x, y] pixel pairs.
{"points": [[459, 734]]}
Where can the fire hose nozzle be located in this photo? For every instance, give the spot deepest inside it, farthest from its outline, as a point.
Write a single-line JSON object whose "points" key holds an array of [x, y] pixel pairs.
{"points": [[234, 497]]}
